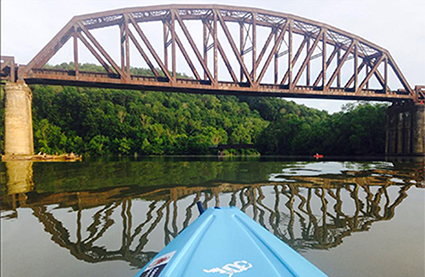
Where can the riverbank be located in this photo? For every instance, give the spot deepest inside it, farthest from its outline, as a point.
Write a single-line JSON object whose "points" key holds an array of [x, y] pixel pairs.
{"points": [[71, 157]]}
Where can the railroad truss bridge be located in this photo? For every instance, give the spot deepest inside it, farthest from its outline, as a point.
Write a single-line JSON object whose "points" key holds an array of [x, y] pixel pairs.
{"points": [[228, 50]]}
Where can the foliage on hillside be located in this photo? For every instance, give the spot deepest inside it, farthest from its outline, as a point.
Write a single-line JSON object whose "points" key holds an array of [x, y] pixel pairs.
{"points": [[111, 122], [121, 122], [356, 130]]}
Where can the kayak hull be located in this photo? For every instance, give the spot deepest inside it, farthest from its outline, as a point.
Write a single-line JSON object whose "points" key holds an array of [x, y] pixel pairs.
{"points": [[226, 242]]}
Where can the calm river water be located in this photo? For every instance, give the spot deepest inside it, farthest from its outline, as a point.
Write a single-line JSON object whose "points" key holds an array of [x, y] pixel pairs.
{"points": [[110, 217]]}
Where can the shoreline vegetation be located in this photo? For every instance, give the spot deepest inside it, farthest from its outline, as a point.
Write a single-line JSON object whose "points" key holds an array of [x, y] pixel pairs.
{"points": [[107, 122]]}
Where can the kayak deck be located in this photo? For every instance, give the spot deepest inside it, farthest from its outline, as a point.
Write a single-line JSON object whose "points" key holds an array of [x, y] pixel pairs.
{"points": [[226, 242]]}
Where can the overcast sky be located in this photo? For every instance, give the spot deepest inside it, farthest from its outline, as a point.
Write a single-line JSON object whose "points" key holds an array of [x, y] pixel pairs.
{"points": [[398, 26]]}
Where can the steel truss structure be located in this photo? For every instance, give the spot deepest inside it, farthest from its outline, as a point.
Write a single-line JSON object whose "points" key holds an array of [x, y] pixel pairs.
{"points": [[333, 47]]}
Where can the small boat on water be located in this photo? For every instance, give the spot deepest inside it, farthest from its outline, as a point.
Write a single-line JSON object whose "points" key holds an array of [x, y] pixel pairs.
{"points": [[226, 242]]}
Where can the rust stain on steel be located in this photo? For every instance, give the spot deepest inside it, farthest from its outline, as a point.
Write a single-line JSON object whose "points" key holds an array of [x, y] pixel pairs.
{"points": [[280, 29]]}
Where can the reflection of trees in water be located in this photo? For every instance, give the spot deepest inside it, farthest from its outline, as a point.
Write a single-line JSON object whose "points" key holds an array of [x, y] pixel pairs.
{"points": [[307, 212]]}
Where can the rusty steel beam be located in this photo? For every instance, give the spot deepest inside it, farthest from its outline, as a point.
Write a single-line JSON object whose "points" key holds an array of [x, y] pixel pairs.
{"points": [[122, 46], [233, 46], [215, 39], [144, 55], [273, 51], [290, 64], [324, 62], [217, 45], [367, 72], [95, 54], [356, 73], [101, 49], [185, 54], [173, 48], [399, 74], [294, 60], [368, 64], [307, 58], [127, 48], [308, 75], [205, 48], [165, 36], [193, 45], [254, 49], [75, 38], [373, 69], [241, 46], [245, 34], [151, 49], [276, 61], [51, 48], [43, 60], [359, 69], [385, 85], [380, 78], [328, 62], [341, 63], [338, 58]]}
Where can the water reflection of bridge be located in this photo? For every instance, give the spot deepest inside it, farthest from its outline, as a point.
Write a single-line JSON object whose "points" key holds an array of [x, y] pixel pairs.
{"points": [[307, 212]]}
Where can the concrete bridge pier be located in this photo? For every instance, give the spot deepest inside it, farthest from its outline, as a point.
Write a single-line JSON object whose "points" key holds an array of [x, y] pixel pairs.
{"points": [[18, 139], [405, 129]]}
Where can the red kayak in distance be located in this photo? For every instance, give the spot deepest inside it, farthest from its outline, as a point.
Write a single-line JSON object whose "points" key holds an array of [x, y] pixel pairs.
{"points": [[318, 156]]}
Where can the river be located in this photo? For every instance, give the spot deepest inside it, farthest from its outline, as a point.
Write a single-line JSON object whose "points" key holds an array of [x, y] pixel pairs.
{"points": [[109, 217]]}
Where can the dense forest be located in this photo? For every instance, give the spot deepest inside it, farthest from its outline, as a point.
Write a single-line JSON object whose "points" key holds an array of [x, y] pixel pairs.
{"points": [[92, 121]]}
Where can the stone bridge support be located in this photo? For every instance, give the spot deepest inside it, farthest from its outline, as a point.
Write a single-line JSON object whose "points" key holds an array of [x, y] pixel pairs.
{"points": [[18, 139], [405, 129]]}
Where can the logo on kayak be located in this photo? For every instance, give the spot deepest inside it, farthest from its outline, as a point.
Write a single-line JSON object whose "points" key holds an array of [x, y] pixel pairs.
{"points": [[230, 269], [155, 268]]}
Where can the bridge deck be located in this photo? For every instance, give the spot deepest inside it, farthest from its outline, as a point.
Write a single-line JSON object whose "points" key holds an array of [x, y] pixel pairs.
{"points": [[136, 82]]}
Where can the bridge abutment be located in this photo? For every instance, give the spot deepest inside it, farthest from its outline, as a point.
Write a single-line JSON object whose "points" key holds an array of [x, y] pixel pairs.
{"points": [[18, 139], [405, 129]]}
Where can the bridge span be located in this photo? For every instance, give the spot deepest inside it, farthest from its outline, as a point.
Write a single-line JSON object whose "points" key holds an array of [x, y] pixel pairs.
{"points": [[299, 57]]}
